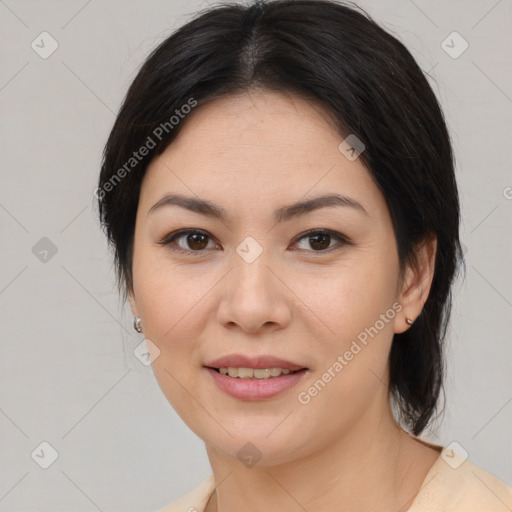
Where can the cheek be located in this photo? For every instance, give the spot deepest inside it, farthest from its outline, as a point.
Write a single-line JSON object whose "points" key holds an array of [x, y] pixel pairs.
{"points": [[170, 305], [350, 297], [352, 372], [357, 308], [168, 296]]}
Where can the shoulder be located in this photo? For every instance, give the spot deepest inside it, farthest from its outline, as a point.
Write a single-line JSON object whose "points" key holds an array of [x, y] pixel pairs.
{"points": [[195, 500], [454, 484]]}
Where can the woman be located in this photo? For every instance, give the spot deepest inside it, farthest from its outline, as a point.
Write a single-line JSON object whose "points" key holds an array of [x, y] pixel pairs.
{"points": [[279, 192]]}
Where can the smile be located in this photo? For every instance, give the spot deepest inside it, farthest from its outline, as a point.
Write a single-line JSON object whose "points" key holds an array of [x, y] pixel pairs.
{"points": [[253, 373], [249, 386]]}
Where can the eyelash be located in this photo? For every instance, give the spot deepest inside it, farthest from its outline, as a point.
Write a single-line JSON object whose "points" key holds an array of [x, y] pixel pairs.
{"points": [[170, 239]]}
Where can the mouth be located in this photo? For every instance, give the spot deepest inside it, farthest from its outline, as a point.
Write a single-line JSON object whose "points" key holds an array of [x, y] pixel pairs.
{"points": [[252, 384], [256, 378], [254, 373]]}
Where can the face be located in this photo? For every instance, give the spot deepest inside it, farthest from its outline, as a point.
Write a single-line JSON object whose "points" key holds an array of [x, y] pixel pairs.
{"points": [[315, 287]]}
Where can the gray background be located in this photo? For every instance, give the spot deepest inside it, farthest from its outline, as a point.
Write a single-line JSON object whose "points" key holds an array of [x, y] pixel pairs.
{"points": [[67, 372]]}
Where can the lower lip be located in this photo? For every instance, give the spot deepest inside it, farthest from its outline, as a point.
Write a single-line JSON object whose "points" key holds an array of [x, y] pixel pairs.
{"points": [[256, 389]]}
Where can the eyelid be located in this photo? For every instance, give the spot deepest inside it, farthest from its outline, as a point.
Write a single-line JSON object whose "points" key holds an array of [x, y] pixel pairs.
{"points": [[169, 239]]}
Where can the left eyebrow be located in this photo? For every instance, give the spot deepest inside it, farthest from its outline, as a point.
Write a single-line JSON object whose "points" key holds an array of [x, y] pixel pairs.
{"points": [[282, 214]]}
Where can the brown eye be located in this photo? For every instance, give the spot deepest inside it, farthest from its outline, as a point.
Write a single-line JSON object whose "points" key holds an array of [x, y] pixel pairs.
{"points": [[196, 241], [190, 241], [320, 240]]}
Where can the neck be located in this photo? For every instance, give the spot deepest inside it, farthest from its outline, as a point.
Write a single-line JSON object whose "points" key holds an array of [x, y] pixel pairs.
{"points": [[375, 465]]}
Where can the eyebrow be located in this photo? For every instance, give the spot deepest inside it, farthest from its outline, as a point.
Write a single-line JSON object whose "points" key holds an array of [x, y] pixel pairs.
{"points": [[282, 214]]}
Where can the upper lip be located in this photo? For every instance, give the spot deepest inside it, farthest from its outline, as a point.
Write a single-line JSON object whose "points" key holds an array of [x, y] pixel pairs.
{"points": [[261, 362]]}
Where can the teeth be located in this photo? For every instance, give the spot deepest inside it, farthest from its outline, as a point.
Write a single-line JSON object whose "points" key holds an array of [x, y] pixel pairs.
{"points": [[257, 373]]}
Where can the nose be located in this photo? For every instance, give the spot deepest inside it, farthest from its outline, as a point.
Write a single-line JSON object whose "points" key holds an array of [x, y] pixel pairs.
{"points": [[254, 297]]}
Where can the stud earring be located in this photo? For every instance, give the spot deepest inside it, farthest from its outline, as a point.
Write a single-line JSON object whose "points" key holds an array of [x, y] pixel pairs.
{"points": [[409, 321], [136, 324]]}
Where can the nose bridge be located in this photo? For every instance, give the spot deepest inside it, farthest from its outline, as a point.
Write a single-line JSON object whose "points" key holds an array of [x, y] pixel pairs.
{"points": [[253, 267], [253, 295]]}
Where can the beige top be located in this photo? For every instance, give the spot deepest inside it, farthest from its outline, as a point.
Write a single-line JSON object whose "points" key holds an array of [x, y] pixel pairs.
{"points": [[453, 484]]}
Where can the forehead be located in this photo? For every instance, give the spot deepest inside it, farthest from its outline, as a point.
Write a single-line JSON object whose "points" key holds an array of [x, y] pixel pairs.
{"points": [[259, 113], [258, 146]]}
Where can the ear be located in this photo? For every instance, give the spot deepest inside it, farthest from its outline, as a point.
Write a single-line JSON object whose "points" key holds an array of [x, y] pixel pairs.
{"points": [[416, 283]]}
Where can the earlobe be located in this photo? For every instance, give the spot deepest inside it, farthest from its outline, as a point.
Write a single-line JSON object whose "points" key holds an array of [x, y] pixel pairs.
{"points": [[136, 318], [417, 285]]}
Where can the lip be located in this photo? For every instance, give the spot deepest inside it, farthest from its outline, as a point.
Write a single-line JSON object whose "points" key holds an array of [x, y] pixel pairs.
{"points": [[258, 362], [256, 389]]}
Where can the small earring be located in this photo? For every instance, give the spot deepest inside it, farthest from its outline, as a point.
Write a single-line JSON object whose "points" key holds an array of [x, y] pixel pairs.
{"points": [[136, 324], [409, 321]]}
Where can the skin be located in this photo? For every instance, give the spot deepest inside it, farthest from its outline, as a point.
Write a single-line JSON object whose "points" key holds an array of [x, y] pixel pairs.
{"points": [[252, 153]]}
